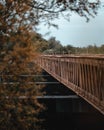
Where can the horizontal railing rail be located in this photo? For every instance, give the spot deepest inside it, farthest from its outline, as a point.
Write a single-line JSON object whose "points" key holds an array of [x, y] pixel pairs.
{"points": [[84, 74]]}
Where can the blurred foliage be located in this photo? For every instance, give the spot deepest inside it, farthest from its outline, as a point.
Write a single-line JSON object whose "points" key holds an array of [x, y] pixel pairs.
{"points": [[19, 47]]}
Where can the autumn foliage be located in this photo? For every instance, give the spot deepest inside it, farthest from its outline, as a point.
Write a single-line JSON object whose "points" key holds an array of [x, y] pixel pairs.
{"points": [[19, 107]]}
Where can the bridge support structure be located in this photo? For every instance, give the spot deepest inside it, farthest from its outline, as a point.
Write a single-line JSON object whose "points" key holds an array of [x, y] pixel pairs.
{"points": [[82, 74]]}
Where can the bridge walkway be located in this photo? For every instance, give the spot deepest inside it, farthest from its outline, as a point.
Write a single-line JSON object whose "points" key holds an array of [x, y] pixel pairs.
{"points": [[84, 74]]}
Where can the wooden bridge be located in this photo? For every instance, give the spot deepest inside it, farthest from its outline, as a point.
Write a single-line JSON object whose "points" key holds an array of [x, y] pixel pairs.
{"points": [[84, 74]]}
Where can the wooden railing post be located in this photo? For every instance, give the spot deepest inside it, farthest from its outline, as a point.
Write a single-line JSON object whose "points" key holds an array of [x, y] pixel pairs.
{"points": [[82, 74]]}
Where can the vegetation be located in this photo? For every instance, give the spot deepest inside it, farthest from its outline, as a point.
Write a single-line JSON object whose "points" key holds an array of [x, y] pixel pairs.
{"points": [[91, 49], [19, 107], [53, 46]]}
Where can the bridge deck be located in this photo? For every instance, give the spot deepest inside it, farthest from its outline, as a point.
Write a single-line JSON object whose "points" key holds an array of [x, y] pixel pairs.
{"points": [[83, 74]]}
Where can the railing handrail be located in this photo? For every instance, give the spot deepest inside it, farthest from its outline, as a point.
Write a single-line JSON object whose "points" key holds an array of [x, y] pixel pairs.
{"points": [[84, 74], [89, 56]]}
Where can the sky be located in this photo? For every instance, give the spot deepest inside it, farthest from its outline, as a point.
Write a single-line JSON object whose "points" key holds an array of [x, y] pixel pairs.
{"points": [[77, 32]]}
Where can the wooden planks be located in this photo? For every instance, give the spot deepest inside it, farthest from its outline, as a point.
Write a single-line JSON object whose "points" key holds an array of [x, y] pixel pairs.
{"points": [[84, 74]]}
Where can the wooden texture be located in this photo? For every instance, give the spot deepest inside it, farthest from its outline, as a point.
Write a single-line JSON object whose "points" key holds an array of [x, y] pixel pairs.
{"points": [[84, 74]]}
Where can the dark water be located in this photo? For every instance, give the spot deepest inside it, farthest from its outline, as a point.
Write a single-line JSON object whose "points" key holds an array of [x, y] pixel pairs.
{"points": [[58, 119], [68, 113]]}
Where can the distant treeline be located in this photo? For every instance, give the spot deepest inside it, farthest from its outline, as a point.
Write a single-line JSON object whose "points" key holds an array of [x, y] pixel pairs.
{"points": [[55, 47]]}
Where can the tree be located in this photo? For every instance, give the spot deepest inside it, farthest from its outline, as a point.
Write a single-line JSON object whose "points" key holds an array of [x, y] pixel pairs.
{"points": [[53, 8], [102, 49], [40, 43], [19, 106], [69, 49], [18, 19], [53, 46]]}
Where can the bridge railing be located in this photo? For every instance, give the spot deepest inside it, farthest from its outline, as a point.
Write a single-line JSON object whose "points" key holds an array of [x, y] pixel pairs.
{"points": [[82, 74]]}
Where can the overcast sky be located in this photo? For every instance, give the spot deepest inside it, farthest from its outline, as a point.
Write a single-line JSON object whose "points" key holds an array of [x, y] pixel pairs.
{"points": [[78, 32]]}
